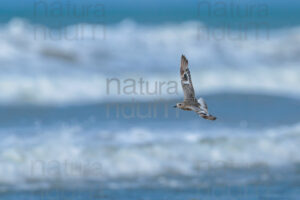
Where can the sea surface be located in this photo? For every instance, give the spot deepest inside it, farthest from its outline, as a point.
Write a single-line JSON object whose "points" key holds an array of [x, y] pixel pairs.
{"points": [[87, 91]]}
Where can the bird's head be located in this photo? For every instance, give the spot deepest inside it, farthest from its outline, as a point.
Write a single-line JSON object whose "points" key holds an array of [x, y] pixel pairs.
{"points": [[178, 105]]}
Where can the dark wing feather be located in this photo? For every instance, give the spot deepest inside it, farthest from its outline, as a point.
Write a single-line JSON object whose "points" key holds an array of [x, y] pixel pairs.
{"points": [[186, 80]]}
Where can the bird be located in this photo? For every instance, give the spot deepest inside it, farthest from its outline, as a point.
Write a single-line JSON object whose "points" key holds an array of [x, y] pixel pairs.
{"points": [[190, 103]]}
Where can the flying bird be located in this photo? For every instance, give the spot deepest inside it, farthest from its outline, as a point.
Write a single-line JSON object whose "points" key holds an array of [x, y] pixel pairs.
{"points": [[190, 103]]}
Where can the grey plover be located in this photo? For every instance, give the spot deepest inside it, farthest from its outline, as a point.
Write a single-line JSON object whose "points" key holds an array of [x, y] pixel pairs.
{"points": [[190, 103]]}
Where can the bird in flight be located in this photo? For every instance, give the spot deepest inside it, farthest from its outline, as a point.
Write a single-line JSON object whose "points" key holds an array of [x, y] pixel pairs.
{"points": [[190, 103]]}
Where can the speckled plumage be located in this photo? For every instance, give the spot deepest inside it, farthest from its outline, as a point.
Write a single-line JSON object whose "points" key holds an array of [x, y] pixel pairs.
{"points": [[190, 103]]}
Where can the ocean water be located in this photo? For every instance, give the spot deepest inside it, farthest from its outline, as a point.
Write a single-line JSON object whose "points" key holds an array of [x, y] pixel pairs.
{"points": [[86, 102]]}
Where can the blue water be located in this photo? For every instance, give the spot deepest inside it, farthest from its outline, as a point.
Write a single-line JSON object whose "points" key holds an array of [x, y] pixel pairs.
{"points": [[276, 14], [77, 123], [91, 152]]}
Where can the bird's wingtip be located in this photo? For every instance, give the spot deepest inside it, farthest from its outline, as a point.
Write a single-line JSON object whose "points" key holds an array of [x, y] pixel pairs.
{"points": [[183, 58], [213, 118], [209, 117]]}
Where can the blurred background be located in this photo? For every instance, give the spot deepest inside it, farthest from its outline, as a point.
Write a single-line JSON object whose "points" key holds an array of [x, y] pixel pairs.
{"points": [[87, 90]]}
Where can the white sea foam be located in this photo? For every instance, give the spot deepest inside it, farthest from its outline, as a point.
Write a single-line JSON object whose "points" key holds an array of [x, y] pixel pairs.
{"points": [[35, 68], [75, 154]]}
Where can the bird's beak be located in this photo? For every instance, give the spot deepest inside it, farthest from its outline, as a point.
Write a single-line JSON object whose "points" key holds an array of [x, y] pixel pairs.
{"points": [[175, 106]]}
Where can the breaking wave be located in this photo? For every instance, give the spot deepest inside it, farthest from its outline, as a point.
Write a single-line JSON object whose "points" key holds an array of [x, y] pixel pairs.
{"points": [[44, 66], [73, 153]]}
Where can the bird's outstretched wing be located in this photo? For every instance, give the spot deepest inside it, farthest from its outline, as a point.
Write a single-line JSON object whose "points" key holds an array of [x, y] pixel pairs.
{"points": [[186, 80]]}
